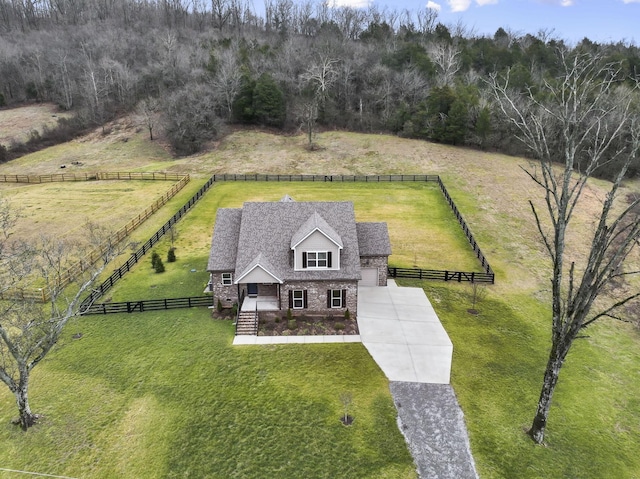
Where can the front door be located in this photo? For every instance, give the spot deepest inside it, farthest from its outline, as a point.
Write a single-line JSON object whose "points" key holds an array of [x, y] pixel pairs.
{"points": [[252, 289]]}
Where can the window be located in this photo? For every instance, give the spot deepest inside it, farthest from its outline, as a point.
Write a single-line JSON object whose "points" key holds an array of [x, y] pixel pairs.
{"points": [[316, 259], [298, 298], [336, 298], [227, 279]]}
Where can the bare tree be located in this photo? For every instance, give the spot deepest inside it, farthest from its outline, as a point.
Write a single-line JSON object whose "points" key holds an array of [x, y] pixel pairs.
{"points": [[148, 110], [446, 57], [584, 122], [30, 328]]}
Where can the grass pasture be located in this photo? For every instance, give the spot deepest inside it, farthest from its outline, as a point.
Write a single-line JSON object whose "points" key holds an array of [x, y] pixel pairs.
{"points": [[165, 395], [61, 209], [16, 124]]}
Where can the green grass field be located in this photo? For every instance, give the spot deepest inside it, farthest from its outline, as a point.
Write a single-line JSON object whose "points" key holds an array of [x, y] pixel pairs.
{"points": [[165, 395], [423, 231]]}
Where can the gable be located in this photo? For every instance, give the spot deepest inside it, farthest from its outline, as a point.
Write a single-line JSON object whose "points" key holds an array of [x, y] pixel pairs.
{"points": [[258, 275]]}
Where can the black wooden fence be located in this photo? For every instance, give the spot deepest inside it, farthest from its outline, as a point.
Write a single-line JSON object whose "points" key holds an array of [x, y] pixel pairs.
{"points": [[106, 285], [328, 178], [149, 305], [487, 276], [441, 275]]}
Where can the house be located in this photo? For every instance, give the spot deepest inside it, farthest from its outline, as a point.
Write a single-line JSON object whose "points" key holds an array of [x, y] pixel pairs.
{"points": [[305, 256]]}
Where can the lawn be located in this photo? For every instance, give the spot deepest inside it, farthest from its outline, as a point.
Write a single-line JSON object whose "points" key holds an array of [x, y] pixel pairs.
{"points": [[499, 358], [423, 231], [166, 395]]}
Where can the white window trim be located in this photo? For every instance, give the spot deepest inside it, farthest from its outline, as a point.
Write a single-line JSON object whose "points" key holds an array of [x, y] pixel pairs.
{"points": [[227, 279], [300, 299], [326, 259], [338, 297]]}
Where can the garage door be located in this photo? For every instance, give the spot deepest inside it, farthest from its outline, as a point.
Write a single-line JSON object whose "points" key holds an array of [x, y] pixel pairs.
{"points": [[369, 277]]}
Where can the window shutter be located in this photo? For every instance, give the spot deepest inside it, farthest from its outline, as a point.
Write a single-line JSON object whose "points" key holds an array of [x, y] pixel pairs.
{"points": [[328, 298], [344, 298], [290, 299], [304, 295], [304, 259], [329, 259]]}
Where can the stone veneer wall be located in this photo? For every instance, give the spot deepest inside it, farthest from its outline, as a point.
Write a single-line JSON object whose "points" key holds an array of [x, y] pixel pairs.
{"points": [[317, 297], [227, 294], [380, 262]]}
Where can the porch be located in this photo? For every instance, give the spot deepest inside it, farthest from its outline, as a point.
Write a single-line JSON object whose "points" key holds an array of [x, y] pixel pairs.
{"points": [[260, 303]]}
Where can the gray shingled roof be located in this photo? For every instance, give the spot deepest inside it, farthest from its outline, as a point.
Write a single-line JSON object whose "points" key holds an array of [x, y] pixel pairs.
{"points": [[263, 233], [267, 228], [373, 239], [315, 222], [261, 261], [224, 244]]}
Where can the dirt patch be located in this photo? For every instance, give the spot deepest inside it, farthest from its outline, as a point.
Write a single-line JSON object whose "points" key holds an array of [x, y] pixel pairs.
{"points": [[271, 324]]}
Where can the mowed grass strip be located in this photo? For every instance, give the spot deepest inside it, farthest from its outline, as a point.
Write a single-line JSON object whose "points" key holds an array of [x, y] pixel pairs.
{"points": [[498, 365], [166, 395]]}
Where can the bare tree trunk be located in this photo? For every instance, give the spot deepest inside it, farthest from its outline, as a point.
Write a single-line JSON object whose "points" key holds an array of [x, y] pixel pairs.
{"points": [[551, 374], [27, 418]]}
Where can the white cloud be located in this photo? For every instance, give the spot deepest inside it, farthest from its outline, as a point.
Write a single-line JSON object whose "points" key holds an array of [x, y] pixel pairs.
{"points": [[486, 2], [434, 6], [349, 3], [459, 5], [563, 3], [631, 1], [567, 3]]}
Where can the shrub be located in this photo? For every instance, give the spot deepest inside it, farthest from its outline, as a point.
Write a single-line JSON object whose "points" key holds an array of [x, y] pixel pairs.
{"points": [[234, 309], [347, 315], [292, 324], [155, 257], [219, 306], [339, 326], [159, 267], [171, 255], [289, 315]]}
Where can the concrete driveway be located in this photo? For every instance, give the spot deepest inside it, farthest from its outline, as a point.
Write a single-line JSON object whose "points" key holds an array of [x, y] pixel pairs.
{"points": [[403, 334]]}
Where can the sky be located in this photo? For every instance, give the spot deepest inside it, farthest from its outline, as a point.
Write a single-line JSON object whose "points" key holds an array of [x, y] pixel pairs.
{"points": [[601, 21]]}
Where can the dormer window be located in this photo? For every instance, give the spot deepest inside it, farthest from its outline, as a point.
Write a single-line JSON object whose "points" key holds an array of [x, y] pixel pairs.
{"points": [[316, 259]]}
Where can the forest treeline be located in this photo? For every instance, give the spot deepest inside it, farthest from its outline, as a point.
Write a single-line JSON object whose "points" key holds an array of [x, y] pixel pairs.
{"points": [[189, 68]]}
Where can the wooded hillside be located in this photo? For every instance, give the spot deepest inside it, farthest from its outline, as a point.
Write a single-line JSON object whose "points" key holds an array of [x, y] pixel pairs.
{"points": [[301, 65]]}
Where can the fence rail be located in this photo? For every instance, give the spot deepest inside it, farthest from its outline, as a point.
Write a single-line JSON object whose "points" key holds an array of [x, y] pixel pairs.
{"points": [[434, 274], [149, 305], [327, 178], [77, 268], [465, 229], [106, 285], [441, 275], [63, 177]]}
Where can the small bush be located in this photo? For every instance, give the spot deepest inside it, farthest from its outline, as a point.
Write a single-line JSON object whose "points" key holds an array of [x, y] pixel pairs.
{"points": [[159, 266], [289, 315], [339, 326], [347, 315], [292, 324], [219, 306], [155, 257], [234, 309], [277, 319], [171, 255]]}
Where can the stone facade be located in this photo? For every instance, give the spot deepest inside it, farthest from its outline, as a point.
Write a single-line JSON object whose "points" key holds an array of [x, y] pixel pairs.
{"points": [[227, 294], [317, 297], [380, 262]]}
